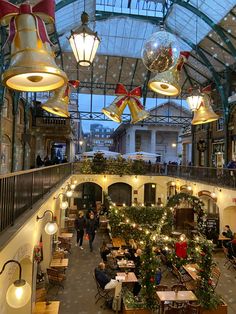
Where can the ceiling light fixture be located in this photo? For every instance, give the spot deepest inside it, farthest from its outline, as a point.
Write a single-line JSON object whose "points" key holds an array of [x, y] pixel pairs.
{"points": [[84, 42]]}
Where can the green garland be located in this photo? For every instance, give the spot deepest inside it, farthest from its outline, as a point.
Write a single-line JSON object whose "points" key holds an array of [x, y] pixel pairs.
{"points": [[195, 203]]}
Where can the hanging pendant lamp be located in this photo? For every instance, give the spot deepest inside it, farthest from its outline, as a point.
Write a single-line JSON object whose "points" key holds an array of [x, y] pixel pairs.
{"points": [[84, 42], [195, 98]]}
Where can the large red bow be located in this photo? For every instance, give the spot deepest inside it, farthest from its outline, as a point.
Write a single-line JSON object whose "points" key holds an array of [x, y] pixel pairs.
{"points": [[43, 11], [135, 94], [72, 83], [184, 55]]}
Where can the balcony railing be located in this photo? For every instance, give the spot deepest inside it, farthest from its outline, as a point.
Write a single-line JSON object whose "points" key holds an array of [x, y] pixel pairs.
{"points": [[20, 191], [221, 177]]}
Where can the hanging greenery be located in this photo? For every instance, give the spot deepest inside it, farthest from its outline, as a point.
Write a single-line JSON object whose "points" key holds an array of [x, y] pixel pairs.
{"points": [[86, 166], [205, 291], [194, 202]]}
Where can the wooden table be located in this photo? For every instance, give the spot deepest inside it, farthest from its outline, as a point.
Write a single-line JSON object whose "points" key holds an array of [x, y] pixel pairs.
{"points": [[222, 238], [42, 308], [174, 296], [118, 242], [118, 253], [130, 277], [59, 262], [192, 270], [65, 235], [126, 264]]}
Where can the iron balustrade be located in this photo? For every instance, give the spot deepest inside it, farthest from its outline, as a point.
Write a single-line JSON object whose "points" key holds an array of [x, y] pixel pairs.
{"points": [[220, 177], [20, 191]]}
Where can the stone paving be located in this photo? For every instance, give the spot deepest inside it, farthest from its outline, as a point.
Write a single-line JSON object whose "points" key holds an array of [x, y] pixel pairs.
{"points": [[80, 289]]}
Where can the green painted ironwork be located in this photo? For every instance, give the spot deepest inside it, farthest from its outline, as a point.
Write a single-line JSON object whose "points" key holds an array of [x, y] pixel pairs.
{"points": [[207, 20]]}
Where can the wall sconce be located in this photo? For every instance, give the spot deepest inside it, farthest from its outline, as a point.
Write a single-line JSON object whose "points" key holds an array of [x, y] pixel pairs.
{"points": [[153, 186], [64, 203], [172, 183], [189, 188], [19, 293], [69, 193], [51, 227]]}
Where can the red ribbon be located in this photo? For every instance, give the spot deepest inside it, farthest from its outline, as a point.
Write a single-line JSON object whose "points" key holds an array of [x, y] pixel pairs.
{"points": [[43, 11], [133, 94], [184, 55], [72, 83]]}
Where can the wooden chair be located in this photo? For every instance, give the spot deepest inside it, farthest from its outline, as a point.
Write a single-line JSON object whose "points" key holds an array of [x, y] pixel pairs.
{"points": [[228, 261], [215, 273], [101, 293], [55, 277], [192, 308], [161, 288], [41, 295], [178, 287], [58, 254]]}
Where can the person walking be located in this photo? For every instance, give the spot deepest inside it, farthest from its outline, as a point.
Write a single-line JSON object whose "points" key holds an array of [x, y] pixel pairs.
{"points": [[80, 224], [91, 228]]}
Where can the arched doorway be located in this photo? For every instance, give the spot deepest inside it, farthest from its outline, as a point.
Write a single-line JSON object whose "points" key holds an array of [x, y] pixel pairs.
{"points": [[212, 211], [120, 193], [149, 194], [87, 194]]}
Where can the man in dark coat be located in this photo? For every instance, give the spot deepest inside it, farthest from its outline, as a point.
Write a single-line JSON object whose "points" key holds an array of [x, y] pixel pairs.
{"points": [[91, 228], [80, 223]]}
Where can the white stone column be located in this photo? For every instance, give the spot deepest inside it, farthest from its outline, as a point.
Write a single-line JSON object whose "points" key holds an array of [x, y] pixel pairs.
{"points": [[153, 142], [131, 147]]}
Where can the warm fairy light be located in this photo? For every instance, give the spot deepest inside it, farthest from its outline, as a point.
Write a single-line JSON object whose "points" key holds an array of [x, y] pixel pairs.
{"points": [[166, 248], [75, 181], [116, 211], [147, 232], [189, 188], [172, 183], [142, 204], [166, 238], [213, 194], [124, 205], [72, 186], [134, 225], [64, 205], [114, 204], [197, 238], [127, 220], [69, 193]]}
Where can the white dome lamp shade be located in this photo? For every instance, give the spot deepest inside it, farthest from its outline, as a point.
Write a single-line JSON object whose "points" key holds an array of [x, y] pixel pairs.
{"points": [[64, 205], [51, 227], [69, 193], [19, 292]]}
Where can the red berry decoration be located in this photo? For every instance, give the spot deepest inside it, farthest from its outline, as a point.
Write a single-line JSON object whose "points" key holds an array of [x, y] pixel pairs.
{"points": [[210, 282], [152, 279]]}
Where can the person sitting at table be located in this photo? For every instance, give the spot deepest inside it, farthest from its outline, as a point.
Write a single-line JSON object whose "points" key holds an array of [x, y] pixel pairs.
{"points": [[227, 233], [104, 251], [137, 262], [232, 247], [102, 277], [181, 247]]}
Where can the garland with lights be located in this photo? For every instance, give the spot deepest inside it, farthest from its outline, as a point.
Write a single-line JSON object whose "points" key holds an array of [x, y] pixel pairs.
{"points": [[205, 291], [194, 202], [150, 226]]}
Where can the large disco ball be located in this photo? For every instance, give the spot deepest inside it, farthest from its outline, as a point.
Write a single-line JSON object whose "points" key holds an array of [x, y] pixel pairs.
{"points": [[160, 52]]}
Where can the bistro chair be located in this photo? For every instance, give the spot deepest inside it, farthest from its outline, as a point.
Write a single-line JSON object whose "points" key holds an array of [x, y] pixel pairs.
{"points": [[178, 287], [161, 288], [229, 261], [101, 293], [215, 274], [55, 277], [192, 308]]}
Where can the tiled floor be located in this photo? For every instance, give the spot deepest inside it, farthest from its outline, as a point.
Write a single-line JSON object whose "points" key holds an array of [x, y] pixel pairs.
{"points": [[80, 289]]}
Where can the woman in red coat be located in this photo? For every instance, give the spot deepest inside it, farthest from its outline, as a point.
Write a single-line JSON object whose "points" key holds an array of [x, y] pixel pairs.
{"points": [[181, 247]]}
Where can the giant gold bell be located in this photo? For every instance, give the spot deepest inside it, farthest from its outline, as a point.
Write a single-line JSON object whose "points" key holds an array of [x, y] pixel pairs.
{"points": [[166, 83], [114, 111], [137, 113], [32, 66], [204, 113], [58, 103]]}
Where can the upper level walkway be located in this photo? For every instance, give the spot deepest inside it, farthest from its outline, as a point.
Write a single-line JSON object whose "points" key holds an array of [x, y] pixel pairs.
{"points": [[19, 191]]}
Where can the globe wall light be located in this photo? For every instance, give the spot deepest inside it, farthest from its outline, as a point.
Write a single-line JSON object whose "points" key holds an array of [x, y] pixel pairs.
{"points": [[18, 293], [51, 227], [64, 204]]}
